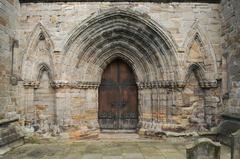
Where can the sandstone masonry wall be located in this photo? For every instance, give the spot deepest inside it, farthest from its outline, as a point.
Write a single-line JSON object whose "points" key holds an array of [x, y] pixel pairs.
{"points": [[9, 14], [45, 28], [230, 12], [58, 85], [178, 18]]}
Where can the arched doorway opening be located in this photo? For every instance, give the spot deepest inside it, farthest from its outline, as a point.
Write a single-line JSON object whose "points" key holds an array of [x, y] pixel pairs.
{"points": [[118, 98]]}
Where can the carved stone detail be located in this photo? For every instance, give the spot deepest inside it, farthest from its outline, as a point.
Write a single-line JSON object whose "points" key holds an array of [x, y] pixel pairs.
{"points": [[208, 84], [76, 84], [174, 84], [31, 84]]}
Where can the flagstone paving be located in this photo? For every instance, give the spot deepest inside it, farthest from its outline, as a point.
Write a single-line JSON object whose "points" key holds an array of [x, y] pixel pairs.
{"points": [[106, 149]]}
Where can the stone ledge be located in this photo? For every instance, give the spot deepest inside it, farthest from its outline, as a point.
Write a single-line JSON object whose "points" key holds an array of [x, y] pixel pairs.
{"points": [[155, 1], [231, 116], [7, 121]]}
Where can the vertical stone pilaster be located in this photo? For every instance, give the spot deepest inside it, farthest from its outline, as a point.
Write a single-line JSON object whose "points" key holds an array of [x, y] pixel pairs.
{"points": [[8, 26], [63, 107], [230, 31], [29, 110], [146, 114], [91, 109], [145, 107], [210, 107]]}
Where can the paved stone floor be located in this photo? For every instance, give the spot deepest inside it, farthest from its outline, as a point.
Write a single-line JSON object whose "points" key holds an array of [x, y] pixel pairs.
{"points": [[107, 148]]}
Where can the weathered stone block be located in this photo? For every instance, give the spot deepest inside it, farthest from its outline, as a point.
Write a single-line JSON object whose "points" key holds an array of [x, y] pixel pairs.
{"points": [[204, 148], [225, 129], [235, 146], [3, 21], [11, 1], [9, 132]]}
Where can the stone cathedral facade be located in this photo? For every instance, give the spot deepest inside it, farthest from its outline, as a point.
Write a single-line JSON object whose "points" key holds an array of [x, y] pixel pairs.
{"points": [[58, 64]]}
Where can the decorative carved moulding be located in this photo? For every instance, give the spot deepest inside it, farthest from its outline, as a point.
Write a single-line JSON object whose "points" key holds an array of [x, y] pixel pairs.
{"points": [[76, 85], [208, 84], [174, 84], [161, 84], [64, 84], [141, 85], [31, 84]]}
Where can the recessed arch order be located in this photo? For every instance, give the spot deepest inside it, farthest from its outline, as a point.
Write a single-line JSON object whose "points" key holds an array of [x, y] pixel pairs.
{"points": [[128, 35]]}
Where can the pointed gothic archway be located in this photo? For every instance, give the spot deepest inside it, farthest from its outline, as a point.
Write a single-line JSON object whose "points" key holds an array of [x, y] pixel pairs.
{"points": [[147, 47], [118, 98]]}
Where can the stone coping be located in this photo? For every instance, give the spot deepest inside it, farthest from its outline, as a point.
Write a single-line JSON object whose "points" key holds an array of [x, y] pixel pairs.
{"points": [[231, 116], [7, 121], [202, 140]]}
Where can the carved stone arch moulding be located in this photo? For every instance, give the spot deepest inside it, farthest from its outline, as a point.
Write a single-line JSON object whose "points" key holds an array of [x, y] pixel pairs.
{"points": [[44, 67], [199, 71], [196, 34], [123, 34], [38, 56]]}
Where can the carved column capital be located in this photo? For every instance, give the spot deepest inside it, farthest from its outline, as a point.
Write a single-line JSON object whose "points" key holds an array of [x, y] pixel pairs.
{"points": [[31, 84], [75, 84]]}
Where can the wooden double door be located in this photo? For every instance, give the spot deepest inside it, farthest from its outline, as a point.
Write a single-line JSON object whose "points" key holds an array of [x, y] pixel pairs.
{"points": [[118, 98]]}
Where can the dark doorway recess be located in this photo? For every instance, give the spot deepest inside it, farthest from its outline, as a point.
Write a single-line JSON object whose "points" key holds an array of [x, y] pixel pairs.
{"points": [[118, 98]]}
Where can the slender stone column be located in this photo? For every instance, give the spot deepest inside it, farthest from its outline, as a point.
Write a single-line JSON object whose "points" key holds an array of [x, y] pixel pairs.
{"points": [[29, 110]]}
